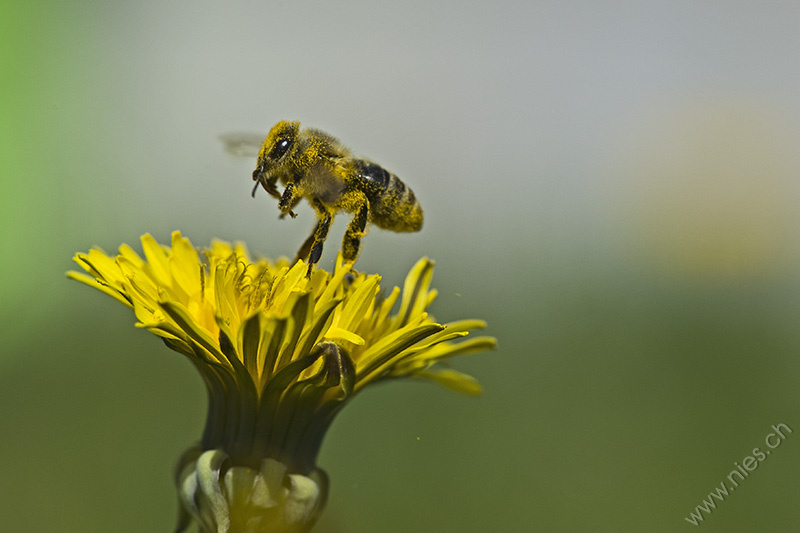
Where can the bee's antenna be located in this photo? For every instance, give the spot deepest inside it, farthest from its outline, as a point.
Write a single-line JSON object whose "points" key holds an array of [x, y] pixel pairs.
{"points": [[253, 194]]}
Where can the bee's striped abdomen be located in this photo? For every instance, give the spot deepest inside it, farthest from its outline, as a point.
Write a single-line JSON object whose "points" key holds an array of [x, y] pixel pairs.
{"points": [[393, 205]]}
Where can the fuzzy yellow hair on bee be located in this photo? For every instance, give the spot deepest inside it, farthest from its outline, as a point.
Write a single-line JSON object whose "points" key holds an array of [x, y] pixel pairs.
{"points": [[315, 165]]}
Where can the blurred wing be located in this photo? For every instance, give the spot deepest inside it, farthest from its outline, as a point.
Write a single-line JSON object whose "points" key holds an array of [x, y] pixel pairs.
{"points": [[242, 144]]}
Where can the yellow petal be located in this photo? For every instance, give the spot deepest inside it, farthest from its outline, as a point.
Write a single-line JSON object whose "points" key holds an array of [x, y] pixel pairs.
{"points": [[92, 282], [454, 380], [336, 333]]}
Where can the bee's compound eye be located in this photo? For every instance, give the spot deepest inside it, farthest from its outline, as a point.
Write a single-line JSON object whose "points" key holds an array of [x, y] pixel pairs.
{"points": [[281, 147], [257, 174]]}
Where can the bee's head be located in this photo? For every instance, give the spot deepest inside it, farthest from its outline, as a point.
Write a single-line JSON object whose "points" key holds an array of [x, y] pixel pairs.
{"points": [[280, 142]]}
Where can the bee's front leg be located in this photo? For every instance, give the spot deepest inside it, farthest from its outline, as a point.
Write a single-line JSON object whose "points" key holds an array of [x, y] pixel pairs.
{"points": [[288, 201], [355, 230]]}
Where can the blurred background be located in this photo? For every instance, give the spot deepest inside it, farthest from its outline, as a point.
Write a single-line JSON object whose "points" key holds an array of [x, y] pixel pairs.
{"points": [[612, 186]]}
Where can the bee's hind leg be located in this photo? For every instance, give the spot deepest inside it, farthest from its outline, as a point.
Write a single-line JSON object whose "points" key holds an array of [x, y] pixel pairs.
{"points": [[355, 230], [312, 247]]}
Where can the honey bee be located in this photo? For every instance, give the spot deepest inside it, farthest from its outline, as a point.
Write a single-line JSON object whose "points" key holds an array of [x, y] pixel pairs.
{"points": [[314, 165]]}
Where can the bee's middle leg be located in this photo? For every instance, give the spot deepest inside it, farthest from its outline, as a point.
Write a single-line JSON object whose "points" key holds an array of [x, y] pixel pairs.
{"points": [[355, 230], [305, 249], [312, 247]]}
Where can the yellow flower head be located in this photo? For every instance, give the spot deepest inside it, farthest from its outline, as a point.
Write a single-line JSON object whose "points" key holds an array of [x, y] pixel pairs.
{"points": [[280, 352]]}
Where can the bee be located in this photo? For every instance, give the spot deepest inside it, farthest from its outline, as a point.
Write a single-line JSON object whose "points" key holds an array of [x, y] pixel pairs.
{"points": [[314, 165]]}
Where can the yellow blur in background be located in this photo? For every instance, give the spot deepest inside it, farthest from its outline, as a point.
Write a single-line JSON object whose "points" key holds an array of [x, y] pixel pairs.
{"points": [[709, 190]]}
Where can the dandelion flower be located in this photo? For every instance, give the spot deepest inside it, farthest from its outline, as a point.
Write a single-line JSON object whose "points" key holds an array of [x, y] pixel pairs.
{"points": [[280, 353]]}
